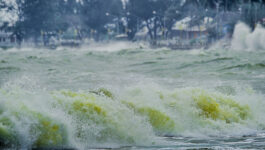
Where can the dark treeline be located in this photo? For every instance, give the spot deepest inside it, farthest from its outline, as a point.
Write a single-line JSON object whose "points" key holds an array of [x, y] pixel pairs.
{"points": [[95, 18]]}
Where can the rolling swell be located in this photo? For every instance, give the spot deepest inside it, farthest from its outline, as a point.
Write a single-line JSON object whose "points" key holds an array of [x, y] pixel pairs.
{"points": [[9, 69], [96, 118], [247, 66], [203, 62]]}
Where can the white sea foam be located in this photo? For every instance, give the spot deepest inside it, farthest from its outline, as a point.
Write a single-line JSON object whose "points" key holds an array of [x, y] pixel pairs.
{"points": [[136, 115], [154, 94], [113, 46], [245, 39]]}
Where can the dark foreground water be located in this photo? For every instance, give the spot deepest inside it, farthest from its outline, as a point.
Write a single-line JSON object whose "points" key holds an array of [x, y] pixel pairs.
{"points": [[130, 98]]}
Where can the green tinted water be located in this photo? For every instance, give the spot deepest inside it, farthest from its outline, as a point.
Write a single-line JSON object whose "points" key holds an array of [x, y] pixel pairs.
{"points": [[141, 98]]}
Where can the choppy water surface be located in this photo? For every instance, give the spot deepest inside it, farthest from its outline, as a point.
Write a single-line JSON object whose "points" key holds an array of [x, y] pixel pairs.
{"points": [[132, 98]]}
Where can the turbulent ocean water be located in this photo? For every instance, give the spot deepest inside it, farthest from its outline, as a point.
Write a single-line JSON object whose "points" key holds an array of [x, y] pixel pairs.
{"points": [[124, 96]]}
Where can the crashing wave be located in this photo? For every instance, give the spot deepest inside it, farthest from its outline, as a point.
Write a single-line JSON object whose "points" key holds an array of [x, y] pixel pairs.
{"points": [[245, 39], [93, 118]]}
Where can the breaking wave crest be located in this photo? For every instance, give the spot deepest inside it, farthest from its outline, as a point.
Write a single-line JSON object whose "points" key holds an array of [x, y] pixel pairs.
{"points": [[134, 116], [245, 39]]}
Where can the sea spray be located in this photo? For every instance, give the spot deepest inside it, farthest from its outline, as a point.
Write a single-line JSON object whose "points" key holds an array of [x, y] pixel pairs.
{"points": [[23, 126], [90, 99], [114, 46], [98, 118], [101, 118], [187, 107], [150, 98], [245, 39]]}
